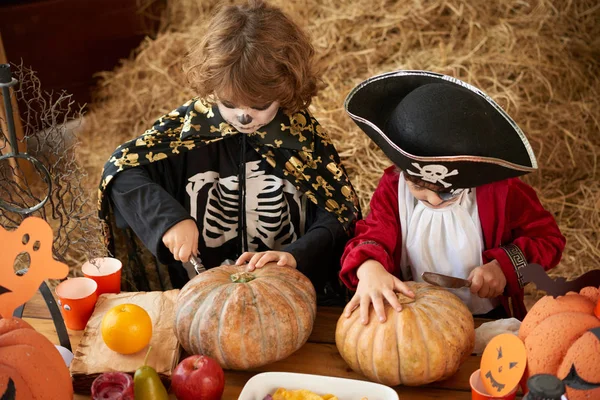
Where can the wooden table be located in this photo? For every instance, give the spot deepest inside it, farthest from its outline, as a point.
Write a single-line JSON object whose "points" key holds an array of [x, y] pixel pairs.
{"points": [[319, 356]]}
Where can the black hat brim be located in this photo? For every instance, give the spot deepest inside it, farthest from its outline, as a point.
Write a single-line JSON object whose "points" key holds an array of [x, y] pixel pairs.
{"points": [[371, 103]]}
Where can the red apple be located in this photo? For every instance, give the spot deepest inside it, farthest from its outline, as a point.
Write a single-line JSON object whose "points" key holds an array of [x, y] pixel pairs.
{"points": [[198, 378]]}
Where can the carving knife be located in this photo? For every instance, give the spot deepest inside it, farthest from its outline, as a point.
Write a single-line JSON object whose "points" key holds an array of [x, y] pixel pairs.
{"points": [[446, 281], [194, 266], [197, 263]]}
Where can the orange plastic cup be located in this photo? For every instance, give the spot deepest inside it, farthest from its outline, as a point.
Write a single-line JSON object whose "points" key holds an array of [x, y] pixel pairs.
{"points": [[478, 391], [523, 383], [106, 271], [77, 298]]}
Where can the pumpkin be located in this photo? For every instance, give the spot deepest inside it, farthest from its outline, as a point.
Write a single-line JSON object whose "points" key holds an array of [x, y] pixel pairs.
{"points": [[425, 342], [561, 332], [246, 320], [31, 367]]}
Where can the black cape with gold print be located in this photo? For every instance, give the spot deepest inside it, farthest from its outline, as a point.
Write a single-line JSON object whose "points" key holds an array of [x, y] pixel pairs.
{"points": [[295, 145]]}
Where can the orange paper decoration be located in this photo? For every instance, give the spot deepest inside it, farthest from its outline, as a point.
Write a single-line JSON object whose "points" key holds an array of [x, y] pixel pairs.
{"points": [[34, 237], [502, 364], [558, 333]]}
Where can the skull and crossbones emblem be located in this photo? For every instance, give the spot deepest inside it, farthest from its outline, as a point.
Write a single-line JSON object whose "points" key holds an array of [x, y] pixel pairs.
{"points": [[433, 173]]}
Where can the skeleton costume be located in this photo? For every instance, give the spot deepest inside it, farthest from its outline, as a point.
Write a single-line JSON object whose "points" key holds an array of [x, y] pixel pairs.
{"points": [[281, 187], [448, 133]]}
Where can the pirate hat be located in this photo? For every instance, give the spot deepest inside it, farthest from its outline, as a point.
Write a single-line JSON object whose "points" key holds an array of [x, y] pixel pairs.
{"points": [[440, 129]]}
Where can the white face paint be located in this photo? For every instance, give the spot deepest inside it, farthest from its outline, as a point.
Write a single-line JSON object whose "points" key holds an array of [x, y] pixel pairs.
{"points": [[248, 119]]}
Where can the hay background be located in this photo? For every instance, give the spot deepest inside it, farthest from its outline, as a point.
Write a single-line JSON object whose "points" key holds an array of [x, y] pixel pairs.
{"points": [[538, 59]]}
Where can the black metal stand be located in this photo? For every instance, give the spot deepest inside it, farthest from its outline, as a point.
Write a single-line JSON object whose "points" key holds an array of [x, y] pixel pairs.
{"points": [[6, 82], [59, 322]]}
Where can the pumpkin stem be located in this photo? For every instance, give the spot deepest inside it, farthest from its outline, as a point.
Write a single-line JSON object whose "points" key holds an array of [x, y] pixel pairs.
{"points": [[404, 299], [147, 354], [242, 277]]}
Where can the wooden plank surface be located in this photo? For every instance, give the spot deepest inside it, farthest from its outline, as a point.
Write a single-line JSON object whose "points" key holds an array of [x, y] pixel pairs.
{"points": [[315, 358], [319, 356], [36, 307], [235, 381], [323, 330]]}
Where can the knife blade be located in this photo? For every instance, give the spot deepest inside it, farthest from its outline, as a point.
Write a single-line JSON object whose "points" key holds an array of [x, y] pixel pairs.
{"points": [[446, 281]]}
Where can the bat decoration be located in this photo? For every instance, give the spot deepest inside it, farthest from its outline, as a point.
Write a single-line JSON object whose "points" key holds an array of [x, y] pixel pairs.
{"points": [[535, 273], [10, 393]]}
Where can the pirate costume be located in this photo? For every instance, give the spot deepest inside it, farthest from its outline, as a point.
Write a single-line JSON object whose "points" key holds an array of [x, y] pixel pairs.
{"points": [[450, 135], [282, 187]]}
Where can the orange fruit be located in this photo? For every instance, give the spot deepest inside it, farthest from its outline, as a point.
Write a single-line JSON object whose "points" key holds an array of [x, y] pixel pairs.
{"points": [[126, 328]]}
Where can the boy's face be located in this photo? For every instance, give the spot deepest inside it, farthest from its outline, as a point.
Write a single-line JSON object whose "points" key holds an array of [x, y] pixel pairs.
{"points": [[247, 119], [429, 197]]}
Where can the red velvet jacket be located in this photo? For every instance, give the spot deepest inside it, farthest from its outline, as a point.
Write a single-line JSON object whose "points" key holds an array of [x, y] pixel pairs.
{"points": [[510, 213]]}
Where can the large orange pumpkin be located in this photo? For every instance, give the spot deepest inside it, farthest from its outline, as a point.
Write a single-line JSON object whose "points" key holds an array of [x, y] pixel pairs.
{"points": [[31, 367], [425, 342], [246, 320], [560, 332]]}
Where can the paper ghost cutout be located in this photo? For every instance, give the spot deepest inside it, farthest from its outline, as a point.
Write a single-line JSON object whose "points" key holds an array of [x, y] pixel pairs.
{"points": [[536, 274], [34, 237]]}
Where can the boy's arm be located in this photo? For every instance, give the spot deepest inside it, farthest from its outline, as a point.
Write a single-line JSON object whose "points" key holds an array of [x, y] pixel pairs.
{"points": [[535, 235], [314, 247], [376, 237], [147, 208]]}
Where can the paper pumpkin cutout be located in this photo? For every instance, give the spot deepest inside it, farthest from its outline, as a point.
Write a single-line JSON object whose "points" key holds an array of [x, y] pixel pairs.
{"points": [[503, 364], [34, 236]]}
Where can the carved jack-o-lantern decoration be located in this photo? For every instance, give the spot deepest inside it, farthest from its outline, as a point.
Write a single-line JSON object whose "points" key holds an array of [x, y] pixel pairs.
{"points": [[503, 364], [562, 333]]}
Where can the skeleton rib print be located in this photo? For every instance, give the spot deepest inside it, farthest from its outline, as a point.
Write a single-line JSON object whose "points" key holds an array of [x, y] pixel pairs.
{"points": [[295, 145], [268, 215]]}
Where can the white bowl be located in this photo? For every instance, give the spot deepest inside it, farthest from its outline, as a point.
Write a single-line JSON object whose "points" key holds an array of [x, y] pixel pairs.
{"points": [[344, 389], [66, 354]]}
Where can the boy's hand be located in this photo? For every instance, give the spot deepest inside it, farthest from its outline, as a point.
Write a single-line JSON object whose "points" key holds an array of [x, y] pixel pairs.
{"points": [[488, 280], [182, 240], [374, 284], [258, 260]]}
